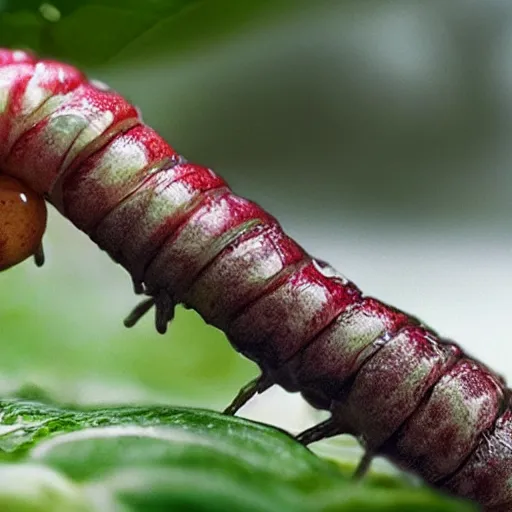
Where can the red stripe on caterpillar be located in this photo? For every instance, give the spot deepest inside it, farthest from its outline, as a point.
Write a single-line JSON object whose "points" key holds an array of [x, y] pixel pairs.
{"points": [[185, 238]]}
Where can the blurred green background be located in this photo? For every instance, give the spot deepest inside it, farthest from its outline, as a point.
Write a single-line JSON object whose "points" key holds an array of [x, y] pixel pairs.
{"points": [[377, 132]]}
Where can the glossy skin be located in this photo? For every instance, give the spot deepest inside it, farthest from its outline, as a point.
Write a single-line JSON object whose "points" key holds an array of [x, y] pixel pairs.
{"points": [[186, 238], [22, 222]]}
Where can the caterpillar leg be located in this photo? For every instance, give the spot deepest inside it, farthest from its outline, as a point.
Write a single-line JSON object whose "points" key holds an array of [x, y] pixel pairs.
{"points": [[328, 428], [138, 312], [164, 311], [254, 387], [39, 256], [364, 465]]}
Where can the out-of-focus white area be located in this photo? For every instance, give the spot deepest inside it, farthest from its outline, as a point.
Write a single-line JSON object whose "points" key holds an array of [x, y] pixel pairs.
{"points": [[379, 134]]}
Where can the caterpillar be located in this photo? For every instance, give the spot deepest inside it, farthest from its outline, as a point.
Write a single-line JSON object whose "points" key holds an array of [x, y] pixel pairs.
{"points": [[185, 238]]}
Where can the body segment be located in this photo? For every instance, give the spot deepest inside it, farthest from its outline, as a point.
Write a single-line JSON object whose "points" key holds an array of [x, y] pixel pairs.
{"points": [[186, 238]]}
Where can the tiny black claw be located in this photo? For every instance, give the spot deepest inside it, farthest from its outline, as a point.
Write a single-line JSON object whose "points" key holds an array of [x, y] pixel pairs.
{"points": [[138, 312], [257, 385], [328, 428], [39, 256], [164, 312]]}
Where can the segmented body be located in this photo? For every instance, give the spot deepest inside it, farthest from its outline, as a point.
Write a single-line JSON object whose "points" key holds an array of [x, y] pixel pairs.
{"points": [[184, 237]]}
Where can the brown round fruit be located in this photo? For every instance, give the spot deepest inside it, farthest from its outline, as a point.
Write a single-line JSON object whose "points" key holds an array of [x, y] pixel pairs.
{"points": [[22, 222]]}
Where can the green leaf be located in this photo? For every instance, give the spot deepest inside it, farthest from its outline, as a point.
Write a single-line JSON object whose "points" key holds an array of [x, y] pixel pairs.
{"points": [[26, 422], [163, 458], [90, 32]]}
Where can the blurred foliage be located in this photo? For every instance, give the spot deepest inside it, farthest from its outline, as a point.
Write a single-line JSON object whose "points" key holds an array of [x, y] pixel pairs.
{"points": [[90, 32], [156, 459]]}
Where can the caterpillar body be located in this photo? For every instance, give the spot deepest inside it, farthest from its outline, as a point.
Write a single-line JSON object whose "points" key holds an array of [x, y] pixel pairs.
{"points": [[186, 238]]}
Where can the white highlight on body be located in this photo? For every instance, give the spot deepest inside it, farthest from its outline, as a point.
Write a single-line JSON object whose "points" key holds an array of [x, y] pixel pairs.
{"points": [[102, 86], [330, 272]]}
